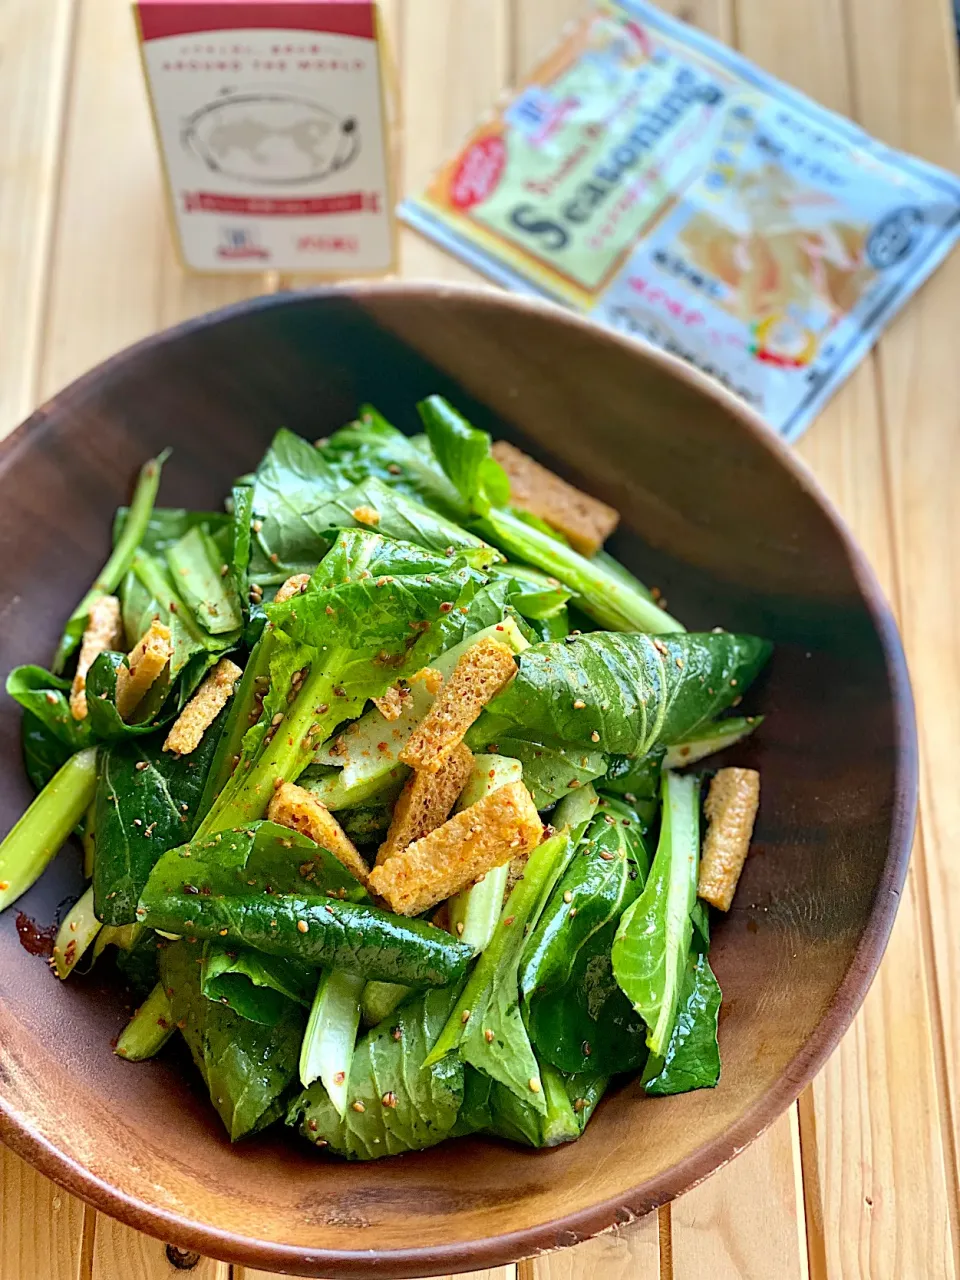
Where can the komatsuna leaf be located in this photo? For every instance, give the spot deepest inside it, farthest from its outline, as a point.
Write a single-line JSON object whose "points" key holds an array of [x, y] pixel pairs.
{"points": [[205, 581], [103, 718], [653, 938], [43, 752], [291, 482], [248, 1067], [372, 447], [168, 525], [464, 454], [396, 1102], [147, 802], [46, 698], [550, 771], [626, 693], [257, 986], [692, 1058], [274, 890], [371, 503], [588, 895]]}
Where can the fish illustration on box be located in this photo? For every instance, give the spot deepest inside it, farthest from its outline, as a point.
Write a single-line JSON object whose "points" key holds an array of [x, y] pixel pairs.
{"points": [[271, 139]]}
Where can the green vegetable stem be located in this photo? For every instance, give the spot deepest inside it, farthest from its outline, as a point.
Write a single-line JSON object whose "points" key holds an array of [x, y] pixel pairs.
{"points": [[149, 1029], [38, 835]]}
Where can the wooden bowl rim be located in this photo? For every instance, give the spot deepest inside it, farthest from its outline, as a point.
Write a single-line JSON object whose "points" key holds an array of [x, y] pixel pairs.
{"points": [[492, 1251]]}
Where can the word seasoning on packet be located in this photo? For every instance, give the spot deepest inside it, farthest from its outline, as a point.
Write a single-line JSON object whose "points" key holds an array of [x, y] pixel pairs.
{"points": [[659, 181], [270, 115]]}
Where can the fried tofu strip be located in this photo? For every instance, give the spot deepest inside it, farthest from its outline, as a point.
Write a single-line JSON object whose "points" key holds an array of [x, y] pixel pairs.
{"points": [[104, 631], [584, 521], [198, 715], [493, 831], [479, 675], [294, 586], [145, 662], [425, 802], [731, 809], [300, 810], [390, 705]]}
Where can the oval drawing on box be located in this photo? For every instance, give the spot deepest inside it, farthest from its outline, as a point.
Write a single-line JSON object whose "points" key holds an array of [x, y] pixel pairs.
{"points": [[274, 139]]}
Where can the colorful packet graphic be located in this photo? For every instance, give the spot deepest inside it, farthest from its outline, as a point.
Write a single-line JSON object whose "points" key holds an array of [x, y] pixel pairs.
{"points": [[651, 177]]}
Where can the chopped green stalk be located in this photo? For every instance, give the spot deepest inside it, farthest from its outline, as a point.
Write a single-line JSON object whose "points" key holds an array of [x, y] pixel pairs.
{"points": [[652, 943], [197, 566], [474, 912], [561, 1123], [606, 597], [242, 714], [379, 1000], [336, 794], [112, 573], [544, 867], [575, 811], [89, 840], [37, 837], [331, 1035], [122, 936], [290, 750], [710, 739], [149, 1029], [79, 928]]}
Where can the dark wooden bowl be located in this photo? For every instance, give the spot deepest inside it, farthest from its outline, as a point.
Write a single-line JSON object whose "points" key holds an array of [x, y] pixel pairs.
{"points": [[718, 513]]}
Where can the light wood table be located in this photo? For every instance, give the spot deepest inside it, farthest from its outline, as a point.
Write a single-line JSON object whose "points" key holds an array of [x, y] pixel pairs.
{"points": [[859, 1179]]}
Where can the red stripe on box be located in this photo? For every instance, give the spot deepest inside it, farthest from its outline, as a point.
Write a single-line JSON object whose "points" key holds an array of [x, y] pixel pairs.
{"points": [[272, 207], [159, 18]]}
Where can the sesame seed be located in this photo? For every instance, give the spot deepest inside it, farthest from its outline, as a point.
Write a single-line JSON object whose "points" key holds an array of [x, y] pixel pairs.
{"points": [[358, 1106], [533, 1084], [459, 928], [567, 896], [572, 912], [465, 1016], [141, 765], [389, 1099], [579, 704], [302, 926], [397, 1033], [579, 1104], [488, 1036], [510, 919], [585, 1049], [595, 736]]}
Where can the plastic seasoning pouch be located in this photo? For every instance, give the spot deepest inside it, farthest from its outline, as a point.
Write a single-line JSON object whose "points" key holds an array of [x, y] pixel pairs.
{"points": [[657, 180]]}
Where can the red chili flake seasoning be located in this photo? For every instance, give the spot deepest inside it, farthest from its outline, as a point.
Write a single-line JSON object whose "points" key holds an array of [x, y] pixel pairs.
{"points": [[585, 1049], [446, 606], [397, 1033], [190, 888], [39, 942], [579, 1104], [312, 1126], [339, 1077]]}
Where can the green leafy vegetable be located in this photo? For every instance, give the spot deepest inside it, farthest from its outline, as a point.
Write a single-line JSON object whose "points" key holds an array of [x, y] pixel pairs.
{"points": [[46, 698], [588, 896], [196, 564], [490, 1000], [147, 802], [396, 1101], [247, 1067], [625, 694], [149, 1029], [331, 1035], [257, 986], [653, 938], [272, 889], [39, 833], [464, 453], [358, 625], [692, 1058], [711, 738], [112, 573]]}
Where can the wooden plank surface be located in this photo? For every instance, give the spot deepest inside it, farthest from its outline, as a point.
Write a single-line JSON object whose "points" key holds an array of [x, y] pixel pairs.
{"points": [[861, 1181]]}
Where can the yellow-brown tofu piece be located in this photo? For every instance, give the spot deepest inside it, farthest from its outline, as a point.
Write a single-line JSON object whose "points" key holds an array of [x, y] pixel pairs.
{"points": [[731, 809], [493, 831], [294, 586], [198, 715], [425, 802], [300, 810], [104, 631], [480, 674], [584, 521], [145, 662]]}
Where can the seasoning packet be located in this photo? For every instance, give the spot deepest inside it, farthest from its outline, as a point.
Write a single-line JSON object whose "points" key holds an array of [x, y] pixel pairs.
{"points": [[660, 182]]}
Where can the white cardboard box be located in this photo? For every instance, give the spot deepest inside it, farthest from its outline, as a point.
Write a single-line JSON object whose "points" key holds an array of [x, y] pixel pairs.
{"points": [[272, 125]]}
